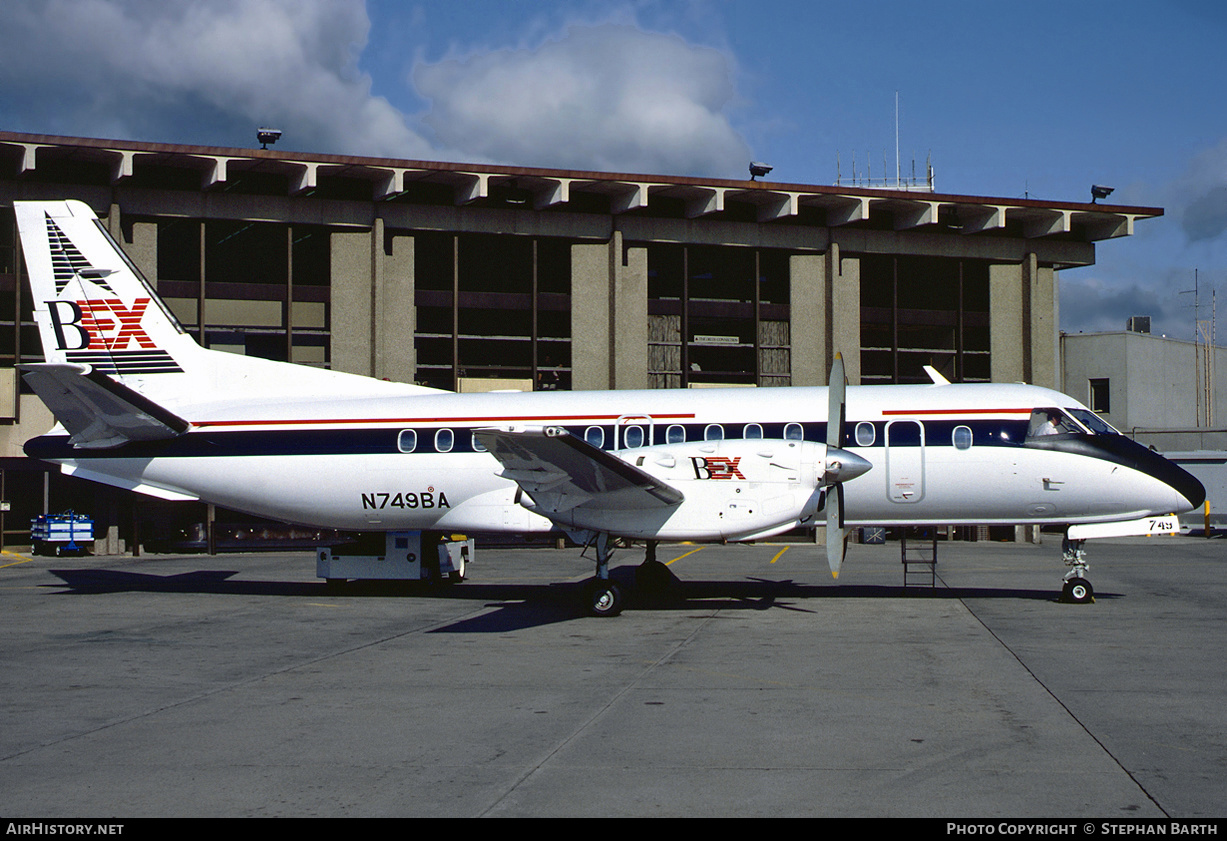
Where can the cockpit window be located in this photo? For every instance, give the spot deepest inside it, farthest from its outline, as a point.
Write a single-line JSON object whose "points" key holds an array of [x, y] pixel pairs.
{"points": [[1046, 422], [1093, 422]]}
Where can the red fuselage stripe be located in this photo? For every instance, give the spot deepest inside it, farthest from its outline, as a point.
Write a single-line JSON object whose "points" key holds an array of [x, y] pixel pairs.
{"points": [[956, 411], [469, 420]]}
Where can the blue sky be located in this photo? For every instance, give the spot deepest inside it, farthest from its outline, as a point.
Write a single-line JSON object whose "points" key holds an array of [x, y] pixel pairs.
{"points": [[1010, 99]]}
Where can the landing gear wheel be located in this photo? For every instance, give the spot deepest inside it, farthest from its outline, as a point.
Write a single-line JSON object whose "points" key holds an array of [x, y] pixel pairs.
{"points": [[604, 597], [1078, 591]]}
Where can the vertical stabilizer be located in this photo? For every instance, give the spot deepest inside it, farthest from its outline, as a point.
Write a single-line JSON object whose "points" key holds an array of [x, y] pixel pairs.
{"points": [[95, 309], [92, 305]]}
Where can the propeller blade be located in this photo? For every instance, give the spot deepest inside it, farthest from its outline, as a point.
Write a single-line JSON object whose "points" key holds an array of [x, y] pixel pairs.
{"points": [[841, 465], [837, 543], [836, 402]]}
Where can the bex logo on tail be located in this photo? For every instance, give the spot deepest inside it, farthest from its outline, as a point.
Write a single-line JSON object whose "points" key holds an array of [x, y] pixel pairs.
{"points": [[103, 324]]}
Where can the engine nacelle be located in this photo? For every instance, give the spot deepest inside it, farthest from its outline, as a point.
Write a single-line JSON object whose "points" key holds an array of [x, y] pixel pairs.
{"points": [[734, 490]]}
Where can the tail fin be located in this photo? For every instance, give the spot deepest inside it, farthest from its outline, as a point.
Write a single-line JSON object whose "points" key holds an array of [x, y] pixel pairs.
{"points": [[91, 303], [93, 307]]}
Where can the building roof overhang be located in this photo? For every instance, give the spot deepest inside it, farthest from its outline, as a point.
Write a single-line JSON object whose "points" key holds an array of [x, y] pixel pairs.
{"points": [[390, 179]]}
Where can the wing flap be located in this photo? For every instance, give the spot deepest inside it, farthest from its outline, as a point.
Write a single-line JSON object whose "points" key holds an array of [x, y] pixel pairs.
{"points": [[560, 472], [97, 411]]}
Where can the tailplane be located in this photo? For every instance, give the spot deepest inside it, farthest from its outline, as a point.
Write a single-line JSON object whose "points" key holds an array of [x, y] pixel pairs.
{"points": [[95, 309]]}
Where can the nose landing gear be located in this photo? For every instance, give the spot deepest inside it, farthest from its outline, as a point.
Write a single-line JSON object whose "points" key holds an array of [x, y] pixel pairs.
{"points": [[1077, 589]]}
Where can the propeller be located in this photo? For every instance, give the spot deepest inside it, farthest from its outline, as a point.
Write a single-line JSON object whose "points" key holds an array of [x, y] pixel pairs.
{"points": [[837, 542]]}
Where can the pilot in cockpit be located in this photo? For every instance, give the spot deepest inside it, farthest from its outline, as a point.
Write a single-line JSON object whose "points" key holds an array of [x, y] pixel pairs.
{"points": [[1051, 426], [1049, 421]]}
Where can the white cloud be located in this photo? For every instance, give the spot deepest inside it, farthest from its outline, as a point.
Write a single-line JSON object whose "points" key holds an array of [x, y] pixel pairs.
{"points": [[604, 97], [205, 72], [608, 97]]}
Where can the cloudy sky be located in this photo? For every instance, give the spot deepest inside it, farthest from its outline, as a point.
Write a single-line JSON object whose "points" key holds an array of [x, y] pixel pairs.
{"points": [[1037, 99]]}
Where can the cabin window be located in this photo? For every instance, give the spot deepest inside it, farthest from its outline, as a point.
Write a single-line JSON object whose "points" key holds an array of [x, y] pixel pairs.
{"points": [[595, 436], [675, 434], [478, 446], [866, 434], [752, 430], [444, 441], [407, 441], [632, 436], [713, 432], [794, 432], [961, 437]]}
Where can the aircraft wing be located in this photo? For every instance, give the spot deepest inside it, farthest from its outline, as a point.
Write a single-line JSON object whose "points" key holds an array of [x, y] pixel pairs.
{"points": [[99, 412], [560, 472]]}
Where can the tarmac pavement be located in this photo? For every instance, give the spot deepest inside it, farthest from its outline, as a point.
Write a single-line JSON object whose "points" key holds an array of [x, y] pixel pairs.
{"points": [[239, 685]]}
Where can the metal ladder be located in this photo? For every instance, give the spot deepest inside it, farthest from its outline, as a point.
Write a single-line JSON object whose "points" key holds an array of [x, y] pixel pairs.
{"points": [[920, 558]]}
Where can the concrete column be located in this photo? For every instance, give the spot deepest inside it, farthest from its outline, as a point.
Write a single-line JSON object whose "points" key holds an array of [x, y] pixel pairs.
{"points": [[808, 326], [592, 278], [845, 312], [113, 223], [1006, 322], [1044, 333], [395, 314], [629, 316], [142, 248], [352, 299]]}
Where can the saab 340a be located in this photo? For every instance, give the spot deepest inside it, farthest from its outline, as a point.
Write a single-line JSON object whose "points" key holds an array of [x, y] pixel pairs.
{"points": [[142, 406]]}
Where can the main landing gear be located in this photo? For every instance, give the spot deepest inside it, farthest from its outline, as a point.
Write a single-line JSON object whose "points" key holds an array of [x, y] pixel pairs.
{"points": [[603, 596], [1077, 589]]}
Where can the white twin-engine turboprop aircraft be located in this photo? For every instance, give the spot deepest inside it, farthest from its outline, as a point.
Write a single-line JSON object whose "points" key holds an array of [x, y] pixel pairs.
{"points": [[142, 406]]}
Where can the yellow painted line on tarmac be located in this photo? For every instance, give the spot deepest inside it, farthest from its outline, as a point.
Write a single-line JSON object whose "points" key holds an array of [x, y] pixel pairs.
{"points": [[781, 552], [21, 559], [688, 554]]}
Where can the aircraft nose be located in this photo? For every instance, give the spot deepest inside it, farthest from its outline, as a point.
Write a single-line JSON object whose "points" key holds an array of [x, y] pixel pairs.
{"points": [[1189, 492], [1192, 490], [843, 465]]}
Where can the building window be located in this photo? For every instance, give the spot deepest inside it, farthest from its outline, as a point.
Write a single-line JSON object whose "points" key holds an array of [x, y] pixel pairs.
{"points": [[1099, 396]]}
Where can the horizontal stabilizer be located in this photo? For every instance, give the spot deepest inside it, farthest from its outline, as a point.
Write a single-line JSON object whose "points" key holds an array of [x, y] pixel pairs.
{"points": [[97, 411], [560, 472]]}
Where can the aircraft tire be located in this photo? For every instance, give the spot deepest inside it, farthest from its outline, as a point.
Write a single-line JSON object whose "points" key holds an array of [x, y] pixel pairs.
{"points": [[1078, 591], [604, 598]]}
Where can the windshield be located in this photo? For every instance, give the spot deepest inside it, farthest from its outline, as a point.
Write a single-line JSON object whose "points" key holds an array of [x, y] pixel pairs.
{"points": [[1093, 422]]}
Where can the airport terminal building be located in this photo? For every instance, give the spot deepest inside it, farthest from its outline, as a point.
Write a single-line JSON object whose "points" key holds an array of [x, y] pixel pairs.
{"points": [[479, 277]]}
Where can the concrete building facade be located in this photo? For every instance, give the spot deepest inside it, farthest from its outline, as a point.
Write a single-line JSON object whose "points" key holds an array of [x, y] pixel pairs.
{"points": [[464, 276], [1161, 391]]}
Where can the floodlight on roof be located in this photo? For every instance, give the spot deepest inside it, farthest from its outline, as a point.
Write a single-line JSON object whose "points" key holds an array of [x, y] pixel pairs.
{"points": [[1098, 191], [265, 136], [757, 168]]}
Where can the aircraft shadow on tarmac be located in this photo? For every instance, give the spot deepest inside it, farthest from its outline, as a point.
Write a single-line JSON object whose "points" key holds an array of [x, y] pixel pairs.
{"points": [[529, 605]]}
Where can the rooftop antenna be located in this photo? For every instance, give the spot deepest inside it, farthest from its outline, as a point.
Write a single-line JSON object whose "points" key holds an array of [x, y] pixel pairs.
{"points": [[898, 172]]}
